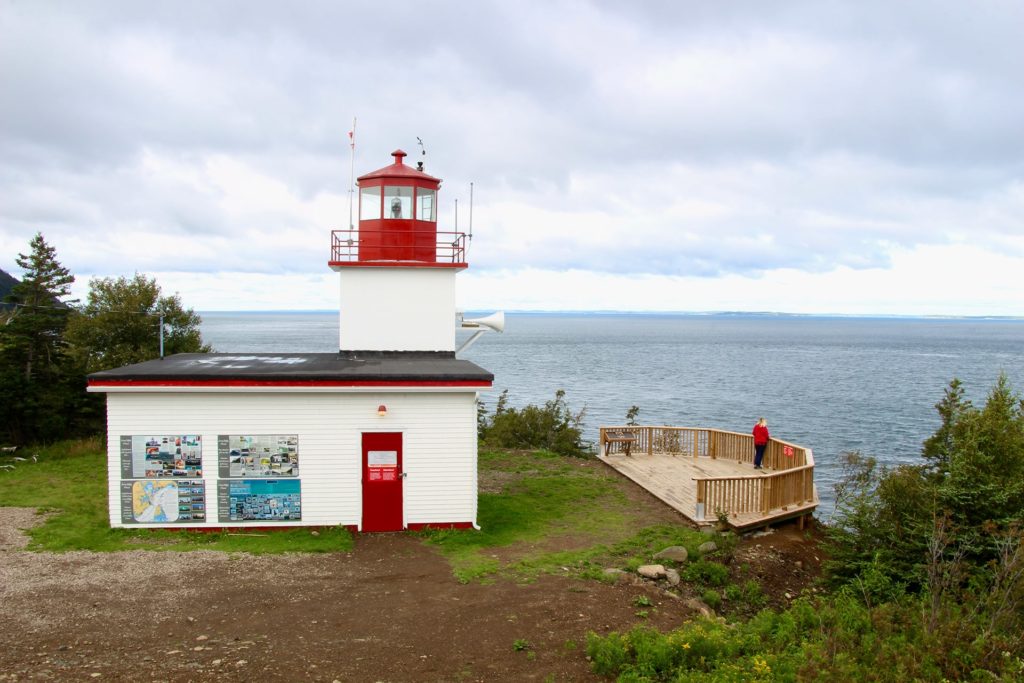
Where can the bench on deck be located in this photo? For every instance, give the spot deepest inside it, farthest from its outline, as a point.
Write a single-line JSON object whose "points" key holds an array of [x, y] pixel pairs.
{"points": [[625, 438]]}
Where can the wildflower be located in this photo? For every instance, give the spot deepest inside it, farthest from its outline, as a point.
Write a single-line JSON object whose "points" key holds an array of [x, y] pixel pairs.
{"points": [[761, 667]]}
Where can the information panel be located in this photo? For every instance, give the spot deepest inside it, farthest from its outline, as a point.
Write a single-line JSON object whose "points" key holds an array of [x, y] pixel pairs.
{"points": [[179, 455], [261, 455], [382, 465], [259, 500], [163, 501]]}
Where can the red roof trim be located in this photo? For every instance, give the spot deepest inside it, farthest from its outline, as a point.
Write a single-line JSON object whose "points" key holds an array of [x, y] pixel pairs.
{"points": [[213, 382]]}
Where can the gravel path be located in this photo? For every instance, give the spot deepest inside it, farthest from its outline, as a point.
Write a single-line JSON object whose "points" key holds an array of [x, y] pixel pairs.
{"points": [[13, 523], [390, 610]]}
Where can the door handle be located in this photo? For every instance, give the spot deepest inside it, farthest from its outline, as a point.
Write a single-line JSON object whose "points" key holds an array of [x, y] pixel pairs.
{"points": [[403, 475]]}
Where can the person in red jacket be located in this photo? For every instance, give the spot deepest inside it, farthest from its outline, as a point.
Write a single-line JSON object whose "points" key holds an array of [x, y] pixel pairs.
{"points": [[761, 437]]}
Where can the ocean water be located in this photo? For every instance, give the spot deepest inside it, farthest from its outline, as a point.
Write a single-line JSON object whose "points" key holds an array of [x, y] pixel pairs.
{"points": [[833, 384]]}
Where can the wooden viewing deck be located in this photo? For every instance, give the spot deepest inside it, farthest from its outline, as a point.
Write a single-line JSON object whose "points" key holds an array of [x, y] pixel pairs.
{"points": [[708, 473]]}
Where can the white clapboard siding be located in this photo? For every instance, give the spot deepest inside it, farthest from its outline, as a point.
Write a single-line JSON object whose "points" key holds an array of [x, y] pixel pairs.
{"points": [[439, 446]]}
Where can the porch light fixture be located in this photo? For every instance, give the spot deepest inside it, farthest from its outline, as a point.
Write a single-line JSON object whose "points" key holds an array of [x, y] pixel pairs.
{"points": [[382, 410]]}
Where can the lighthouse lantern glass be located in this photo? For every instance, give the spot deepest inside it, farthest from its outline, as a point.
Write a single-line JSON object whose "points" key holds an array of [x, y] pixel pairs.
{"points": [[369, 203], [397, 202], [425, 205]]}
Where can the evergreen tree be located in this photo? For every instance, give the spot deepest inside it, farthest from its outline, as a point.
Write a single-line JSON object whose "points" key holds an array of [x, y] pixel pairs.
{"points": [[968, 498], [984, 484], [120, 324], [939, 447], [34, 384]]}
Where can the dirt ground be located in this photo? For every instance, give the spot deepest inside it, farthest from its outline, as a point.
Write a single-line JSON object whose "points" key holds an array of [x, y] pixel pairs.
{"points": [[390, 610]]}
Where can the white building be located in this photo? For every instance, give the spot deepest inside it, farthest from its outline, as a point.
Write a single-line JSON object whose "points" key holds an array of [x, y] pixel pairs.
{"points": [[378, 437]]}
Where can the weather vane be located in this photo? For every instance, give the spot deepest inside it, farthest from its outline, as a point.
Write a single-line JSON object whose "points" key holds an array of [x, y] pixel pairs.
{"points": [[423, 151]]}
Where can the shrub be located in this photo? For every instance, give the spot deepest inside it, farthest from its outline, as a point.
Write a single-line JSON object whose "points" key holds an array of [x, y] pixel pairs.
{"points": [[706, 573], [608, 655], [835, 638], [642, 601], [753, 594], [631, 415], [712, 598], [553, 427]]}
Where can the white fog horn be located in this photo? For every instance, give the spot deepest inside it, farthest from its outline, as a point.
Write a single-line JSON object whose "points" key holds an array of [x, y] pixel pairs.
{"points": [[494, 321]]}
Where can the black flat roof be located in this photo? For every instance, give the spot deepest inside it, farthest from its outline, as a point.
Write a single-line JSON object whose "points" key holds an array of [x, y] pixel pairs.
{"points": [[359, 366]]}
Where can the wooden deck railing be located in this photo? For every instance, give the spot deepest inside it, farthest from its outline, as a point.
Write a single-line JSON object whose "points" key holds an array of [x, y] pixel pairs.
{"points": [[788, 479], [759, 495]]}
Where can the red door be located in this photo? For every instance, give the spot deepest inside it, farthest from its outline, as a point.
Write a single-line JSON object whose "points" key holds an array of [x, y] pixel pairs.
{"points": [[382, 481]]}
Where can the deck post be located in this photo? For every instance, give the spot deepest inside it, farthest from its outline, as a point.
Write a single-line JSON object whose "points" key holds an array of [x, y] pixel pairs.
{"points": [[650, 441], [603, 446], [701, 494]]}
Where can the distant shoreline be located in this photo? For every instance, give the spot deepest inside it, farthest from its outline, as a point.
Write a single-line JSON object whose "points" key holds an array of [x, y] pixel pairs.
{"points": [[670, 314]]}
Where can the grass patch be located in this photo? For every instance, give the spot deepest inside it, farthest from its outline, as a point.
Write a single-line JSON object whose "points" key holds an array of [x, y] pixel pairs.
{"points": [[69, 483], [543, 497], [631, 550], [531, 510]]}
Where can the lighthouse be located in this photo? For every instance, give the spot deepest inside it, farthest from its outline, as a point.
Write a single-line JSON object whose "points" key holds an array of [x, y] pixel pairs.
{"points": [[378, 436], [397, 270]]}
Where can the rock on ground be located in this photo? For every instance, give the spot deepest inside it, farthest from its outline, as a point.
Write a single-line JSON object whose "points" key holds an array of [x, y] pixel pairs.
{"points": [[700, 606], [675, 553], [652, 571]]}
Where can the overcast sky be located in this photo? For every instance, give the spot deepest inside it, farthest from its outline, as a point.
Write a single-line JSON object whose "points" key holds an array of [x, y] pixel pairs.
{"points": [[831, 157]]}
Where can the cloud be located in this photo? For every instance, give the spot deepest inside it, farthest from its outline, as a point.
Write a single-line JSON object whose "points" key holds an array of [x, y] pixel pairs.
{"points": [[815, 215], [931, 280], [656, 139]]}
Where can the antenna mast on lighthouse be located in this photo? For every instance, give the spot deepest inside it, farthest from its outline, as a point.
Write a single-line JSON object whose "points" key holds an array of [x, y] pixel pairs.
{"points": [[470, 217], [352, 173]]}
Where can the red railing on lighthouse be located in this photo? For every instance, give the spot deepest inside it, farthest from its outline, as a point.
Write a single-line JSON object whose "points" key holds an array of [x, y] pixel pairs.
{"points": [[406, 247]]}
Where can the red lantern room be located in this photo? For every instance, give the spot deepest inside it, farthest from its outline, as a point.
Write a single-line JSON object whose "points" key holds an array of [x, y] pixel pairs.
{"points": [[398, 223]]}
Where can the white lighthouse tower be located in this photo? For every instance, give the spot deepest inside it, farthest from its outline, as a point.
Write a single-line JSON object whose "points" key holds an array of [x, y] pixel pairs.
{"points": [[397, 270]]}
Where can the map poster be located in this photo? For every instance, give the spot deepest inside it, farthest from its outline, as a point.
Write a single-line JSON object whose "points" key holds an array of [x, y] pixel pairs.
{"points": [[179, 455], [252, 456], [163, 501], [259, 500]]}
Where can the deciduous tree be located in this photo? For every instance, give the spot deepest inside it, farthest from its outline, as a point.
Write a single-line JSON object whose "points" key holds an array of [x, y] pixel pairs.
{"points": [[120, 324]]}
